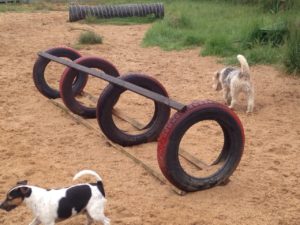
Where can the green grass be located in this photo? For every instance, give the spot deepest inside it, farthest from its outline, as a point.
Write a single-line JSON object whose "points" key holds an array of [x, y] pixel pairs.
{"points": [[209, 24], [89, 37], [57, 5], [120, 21], [292, 54], [223, 29]]}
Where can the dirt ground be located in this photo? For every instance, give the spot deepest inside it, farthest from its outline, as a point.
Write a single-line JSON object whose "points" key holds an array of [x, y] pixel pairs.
{"points": [[41, 143]]}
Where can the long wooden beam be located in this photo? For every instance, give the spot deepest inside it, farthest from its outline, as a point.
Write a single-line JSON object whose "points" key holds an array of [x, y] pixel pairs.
{"points": [[117, 81]]}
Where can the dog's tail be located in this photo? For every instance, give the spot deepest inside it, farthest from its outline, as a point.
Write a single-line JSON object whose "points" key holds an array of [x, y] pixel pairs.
{"points": [[93, 173], [87, 172], [244, 65]]}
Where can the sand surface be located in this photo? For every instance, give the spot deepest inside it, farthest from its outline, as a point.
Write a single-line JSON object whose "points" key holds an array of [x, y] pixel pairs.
{"points": [[41, 143]]}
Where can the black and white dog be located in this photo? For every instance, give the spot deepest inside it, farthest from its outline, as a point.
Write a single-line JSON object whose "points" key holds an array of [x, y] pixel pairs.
{"points": [[51, 206]]}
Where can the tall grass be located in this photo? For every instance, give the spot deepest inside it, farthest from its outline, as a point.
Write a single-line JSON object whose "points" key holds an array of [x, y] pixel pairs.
{"points": [[120, 21], [292, 56], [223, 29], [273, 6], [220, 29], [90, 37]]}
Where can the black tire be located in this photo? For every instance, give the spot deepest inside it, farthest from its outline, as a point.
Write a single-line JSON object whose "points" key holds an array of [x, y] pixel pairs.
{"points": [[109, 98], [171, 136], [70, 75], [39, 72]]}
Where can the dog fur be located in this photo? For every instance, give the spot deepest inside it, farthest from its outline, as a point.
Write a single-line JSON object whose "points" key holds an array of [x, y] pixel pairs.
{"points": [[233, 81], [54, 205]]}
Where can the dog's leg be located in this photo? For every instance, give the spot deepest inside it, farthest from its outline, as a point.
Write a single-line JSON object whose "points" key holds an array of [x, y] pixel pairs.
{"points": [[100, 217], [250, 105], [89, 219], [227, 96], [106, 221], [234, 95], [35, 221]]}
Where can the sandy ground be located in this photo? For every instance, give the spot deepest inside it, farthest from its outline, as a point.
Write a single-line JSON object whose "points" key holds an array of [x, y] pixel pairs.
{"points": [[40, 143]]}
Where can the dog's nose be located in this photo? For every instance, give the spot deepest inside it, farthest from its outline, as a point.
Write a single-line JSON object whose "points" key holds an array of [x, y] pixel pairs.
{"points": [[3, 205]]}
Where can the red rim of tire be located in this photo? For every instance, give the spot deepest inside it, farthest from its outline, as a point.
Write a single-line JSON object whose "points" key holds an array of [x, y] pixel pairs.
{"points": [[170, 137]]}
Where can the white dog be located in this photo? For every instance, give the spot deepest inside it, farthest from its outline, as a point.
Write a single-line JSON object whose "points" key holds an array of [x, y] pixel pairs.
{"points": [[54, 205], [233, 81]]}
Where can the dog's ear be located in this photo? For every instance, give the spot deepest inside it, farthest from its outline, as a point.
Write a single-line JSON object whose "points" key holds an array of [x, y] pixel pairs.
{"points": [[23, 182], [26, 191]]}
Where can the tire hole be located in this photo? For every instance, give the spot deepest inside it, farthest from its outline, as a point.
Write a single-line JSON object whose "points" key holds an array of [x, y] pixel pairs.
{"points": [[133, 113], [200, 147]]}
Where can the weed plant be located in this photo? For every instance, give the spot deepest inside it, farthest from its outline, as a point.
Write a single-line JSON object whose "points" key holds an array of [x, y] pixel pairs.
{"points": [[89, 37]]}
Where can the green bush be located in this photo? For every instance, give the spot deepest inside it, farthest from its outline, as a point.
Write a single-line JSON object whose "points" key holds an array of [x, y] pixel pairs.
{"points": [[274, 6], [219, 45], [179, 21], [292, 56], [90, 37], [274, 34]]}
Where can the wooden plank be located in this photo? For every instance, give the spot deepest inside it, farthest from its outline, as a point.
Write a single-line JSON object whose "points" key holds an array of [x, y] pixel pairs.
{"points": [[117, 113], [117, 81], [189, 157], [89, 125], [196, 162]]}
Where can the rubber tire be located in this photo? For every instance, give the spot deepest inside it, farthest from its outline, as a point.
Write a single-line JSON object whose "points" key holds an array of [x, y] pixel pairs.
{"points": [[109, 98], [169, 141], [70, 74], [39, 72]]}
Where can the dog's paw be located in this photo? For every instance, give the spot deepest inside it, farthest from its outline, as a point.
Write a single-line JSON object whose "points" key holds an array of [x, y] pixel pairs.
{"points": [[106, 221]]}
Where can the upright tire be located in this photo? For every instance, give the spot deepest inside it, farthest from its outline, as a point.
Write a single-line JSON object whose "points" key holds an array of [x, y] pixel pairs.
{"points": [[68, 77], [110, 97], [40, 67], [171, 136]]}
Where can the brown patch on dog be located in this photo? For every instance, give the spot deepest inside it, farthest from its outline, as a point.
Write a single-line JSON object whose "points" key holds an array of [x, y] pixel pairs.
{"points": [[15, 201]]}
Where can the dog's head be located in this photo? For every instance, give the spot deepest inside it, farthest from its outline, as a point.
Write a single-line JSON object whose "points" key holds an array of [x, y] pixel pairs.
{"points": [[16, 196], [217, 86]]}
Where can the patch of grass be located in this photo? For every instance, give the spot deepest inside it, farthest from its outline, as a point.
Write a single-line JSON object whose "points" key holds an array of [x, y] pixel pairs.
{"points": [[224, 29], [274, 34], [197, 23], [219, 45], [89, 37], [13, 7], [165, 37], [120, 21], [42, 5], [193, 40], [292, 54], [181, 20], [274, 6]]}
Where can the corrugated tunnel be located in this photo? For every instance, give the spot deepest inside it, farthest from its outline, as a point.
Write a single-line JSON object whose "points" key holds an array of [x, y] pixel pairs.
{"points": [[79, 12]]}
